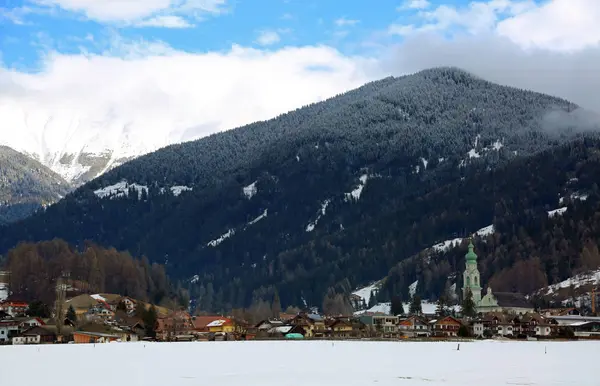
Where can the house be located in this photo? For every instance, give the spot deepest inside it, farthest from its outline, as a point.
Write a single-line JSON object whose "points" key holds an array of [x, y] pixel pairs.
{"points": [[313, 324], [177, 324], [222, 325], [94, 337], [384, 325], [35, 335], [30, 322], [14, 308], [266, 325], [99, 313], [414, 327], [8, 329], [341, 328], [446, 326], [200, 323]]}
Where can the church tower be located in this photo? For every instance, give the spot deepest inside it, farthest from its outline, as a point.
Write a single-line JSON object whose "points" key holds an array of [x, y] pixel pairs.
{"points": [[471, 276]]}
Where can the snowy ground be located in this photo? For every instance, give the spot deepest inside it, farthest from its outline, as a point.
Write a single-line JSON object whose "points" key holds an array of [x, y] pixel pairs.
{"points": [[301, 363]]}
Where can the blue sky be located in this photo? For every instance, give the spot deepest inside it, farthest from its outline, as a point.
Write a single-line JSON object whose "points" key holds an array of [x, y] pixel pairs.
{"points": [[30, 28]]}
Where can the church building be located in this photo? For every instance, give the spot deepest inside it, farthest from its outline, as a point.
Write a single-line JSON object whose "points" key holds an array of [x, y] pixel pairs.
{"points": [[491, 302]]}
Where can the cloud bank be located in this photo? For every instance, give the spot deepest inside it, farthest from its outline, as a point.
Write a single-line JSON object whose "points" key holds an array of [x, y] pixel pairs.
{"points": [[157, 92]]}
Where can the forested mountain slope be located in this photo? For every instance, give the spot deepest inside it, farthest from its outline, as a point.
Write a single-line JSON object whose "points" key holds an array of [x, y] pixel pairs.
{"points": [[546, 226], [330, 195], [26, 185]]}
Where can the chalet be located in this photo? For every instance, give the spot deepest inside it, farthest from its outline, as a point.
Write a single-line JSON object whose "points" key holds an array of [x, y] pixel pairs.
{"points": [[35, 335], [313, 324], [200, 323], [446, 326], [268, 324], [496, 323], [8, 329], [341, 328], [179, 323], [222, 325], [14, 308], [99, 313], [414, 327], [28, 323]]}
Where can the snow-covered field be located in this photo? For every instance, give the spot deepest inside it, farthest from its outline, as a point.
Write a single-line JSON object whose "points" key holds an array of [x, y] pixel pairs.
{"points": [[300, 363]]}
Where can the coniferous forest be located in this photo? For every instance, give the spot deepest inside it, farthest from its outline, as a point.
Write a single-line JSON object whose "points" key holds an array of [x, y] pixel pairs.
{"points": [[323, 199]]}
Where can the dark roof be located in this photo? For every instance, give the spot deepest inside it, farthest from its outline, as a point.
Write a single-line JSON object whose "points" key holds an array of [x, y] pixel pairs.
{"points": [[511, 299], [38, 331]]}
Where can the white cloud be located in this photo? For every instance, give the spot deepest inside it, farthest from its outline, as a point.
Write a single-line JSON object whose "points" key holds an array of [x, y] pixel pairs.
{"points": [[167, 21], [556, 25], [414, 4], [134, 11], [150, 94], [344, 22], [477, 17], [268, 37]]}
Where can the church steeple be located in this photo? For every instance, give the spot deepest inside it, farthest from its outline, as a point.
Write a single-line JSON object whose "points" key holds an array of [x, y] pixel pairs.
{"points": [[471, 257], [471, 275]]}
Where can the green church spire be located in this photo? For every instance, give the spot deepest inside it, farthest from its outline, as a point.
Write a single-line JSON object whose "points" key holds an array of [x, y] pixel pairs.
{"points": [[471, 257]]}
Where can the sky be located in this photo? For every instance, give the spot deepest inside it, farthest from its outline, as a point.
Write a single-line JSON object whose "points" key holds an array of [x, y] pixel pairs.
{"points": [[203, 66]]}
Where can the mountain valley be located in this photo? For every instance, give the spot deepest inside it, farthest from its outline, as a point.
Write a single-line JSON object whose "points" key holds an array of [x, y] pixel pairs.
{"points": [[342, 192]]}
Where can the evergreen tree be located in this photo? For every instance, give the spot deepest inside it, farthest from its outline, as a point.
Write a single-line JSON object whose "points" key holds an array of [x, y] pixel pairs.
{"points": [[38, 309], [363, 304], [150, 318], [71, 314], [397, 308], [442, 307], [372, 299], [276, 306], [415, 305], [468, 305]]}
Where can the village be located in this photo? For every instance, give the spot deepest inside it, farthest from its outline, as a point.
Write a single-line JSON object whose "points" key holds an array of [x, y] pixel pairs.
{"points": [[106, 318]]}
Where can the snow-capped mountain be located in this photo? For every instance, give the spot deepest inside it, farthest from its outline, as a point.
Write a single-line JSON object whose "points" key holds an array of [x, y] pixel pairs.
{"points": [[79, 146]]}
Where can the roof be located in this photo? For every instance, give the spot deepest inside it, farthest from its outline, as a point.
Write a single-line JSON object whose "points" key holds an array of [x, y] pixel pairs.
{"points": [[201, 322], [96, 334], [38, 331], [14, 303], [219, 322], [281, 329], [512, 300]]}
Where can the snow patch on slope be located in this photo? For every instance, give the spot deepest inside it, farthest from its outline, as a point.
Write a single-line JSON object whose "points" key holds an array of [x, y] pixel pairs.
{"points": [[311, 226], [250, 190], [263, 215], [355, 194], [589, 278], [222, 238], [428, 308], [557, 212], [574, 196], [120, 189], [412, 289], [177, 190], [365, 292]]}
